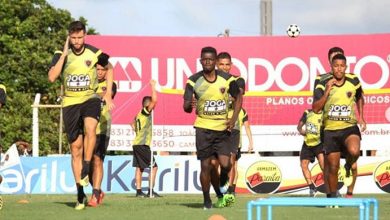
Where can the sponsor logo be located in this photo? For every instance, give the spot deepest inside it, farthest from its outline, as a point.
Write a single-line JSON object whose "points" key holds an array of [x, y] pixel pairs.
{"points": [[78, 82], [263, 177], [214, 107], [339, 112], [88, 63], [382, 176]]}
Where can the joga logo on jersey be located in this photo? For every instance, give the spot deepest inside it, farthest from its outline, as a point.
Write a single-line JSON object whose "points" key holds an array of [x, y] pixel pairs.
{"points": [[318, 178], [263, 177], [382, 176]]}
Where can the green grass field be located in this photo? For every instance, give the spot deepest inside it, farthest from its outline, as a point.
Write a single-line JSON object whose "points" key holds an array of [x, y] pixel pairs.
{"points": [[126, 206]]}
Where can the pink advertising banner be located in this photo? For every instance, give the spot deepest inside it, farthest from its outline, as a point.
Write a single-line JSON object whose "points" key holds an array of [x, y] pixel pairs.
{"points": [[279, 74]]}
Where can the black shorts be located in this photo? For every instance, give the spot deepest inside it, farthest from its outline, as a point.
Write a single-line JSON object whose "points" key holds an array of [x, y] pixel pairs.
{"points": [[334, 141], [213, 143], [102, 142], [74, 117], [238, 155], [141, 156], [310, 153]]}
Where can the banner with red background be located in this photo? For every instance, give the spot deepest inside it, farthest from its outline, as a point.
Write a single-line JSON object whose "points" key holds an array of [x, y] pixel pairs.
{"points": [[279, 74]]}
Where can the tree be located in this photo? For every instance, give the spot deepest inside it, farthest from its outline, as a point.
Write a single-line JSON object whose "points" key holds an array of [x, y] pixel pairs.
{"points": [[30, 32]]}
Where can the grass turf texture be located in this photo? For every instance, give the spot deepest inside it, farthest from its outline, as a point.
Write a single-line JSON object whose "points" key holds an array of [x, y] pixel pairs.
{"points": [[126, 206]]}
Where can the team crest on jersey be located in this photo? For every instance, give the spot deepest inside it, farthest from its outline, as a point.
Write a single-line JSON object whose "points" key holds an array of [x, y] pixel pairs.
{"points": [[349, 94], [88, 63], [222, 89]]}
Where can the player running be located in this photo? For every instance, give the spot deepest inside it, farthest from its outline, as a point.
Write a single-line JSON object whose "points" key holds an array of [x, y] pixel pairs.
{"points": [[103, 130], [81, 104], [141, 146], [312, 146], [212, 88], [337, 97]]}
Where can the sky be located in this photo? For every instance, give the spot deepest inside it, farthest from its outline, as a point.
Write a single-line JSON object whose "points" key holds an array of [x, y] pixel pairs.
{"points": [[241, 17]]}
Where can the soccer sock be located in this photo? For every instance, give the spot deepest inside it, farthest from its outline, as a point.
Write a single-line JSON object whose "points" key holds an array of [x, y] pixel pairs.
{"points": [[80, 193], [218, 192], [230, 189], [139, 191], [333, 195], [328, 195], [311, 186], [349, 193], [223, 177], [85, 170], [96, 193]]}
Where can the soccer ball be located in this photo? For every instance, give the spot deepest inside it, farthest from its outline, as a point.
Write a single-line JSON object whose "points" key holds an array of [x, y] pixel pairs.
{"points": [[293, 30]]}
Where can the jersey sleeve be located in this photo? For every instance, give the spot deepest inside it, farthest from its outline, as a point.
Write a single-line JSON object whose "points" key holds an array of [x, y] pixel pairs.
{"points": [[319, 90], [234, 90], [3, 96], [113, 90], [304, 117], [55, 58], [145, 111], [241, 83], [189, 90]]}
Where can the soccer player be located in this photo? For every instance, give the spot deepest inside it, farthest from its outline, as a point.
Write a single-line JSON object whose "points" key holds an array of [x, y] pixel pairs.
{"points": [[350, 182], [81, 104], [312, 146], [213, 128], [103, 130], [337, 97], [141, 146], [224, 63]]}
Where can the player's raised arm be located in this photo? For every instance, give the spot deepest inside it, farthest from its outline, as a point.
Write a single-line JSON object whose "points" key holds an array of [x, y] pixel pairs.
{"points": [[58, 62], [153, 100]]}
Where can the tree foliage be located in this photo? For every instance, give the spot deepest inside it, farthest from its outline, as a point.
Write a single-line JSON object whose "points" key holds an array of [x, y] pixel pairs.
{"points": [[30, 32]]}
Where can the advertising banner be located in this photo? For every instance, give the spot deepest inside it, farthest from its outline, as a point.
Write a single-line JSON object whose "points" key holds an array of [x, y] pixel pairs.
{"points": [[279, 74], [180, 174]]}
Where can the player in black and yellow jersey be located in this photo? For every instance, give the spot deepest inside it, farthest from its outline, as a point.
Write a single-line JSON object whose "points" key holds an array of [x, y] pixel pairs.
{"points": [[141, 146], [3, 95], [312, 145], [337, 98], [211, 89], [103, 130], [81, 103], [350, 180]]}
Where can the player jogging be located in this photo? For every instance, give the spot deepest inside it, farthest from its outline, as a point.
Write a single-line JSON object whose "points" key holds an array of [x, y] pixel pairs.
{"points": [[141, 146], [81, 103], [212, 88], [103, 130], [337, 97], [312, 146]]}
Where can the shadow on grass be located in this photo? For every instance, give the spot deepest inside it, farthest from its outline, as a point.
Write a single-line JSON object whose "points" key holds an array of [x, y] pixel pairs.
{"points": [[69, 204], [193, 205]]}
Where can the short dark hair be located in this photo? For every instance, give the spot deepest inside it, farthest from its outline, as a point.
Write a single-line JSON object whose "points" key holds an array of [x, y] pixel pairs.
{"points": [[103, 59], [76, 26], [208, 50], [146, 99], [224, 55], [335, 50], [339, 57]]}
